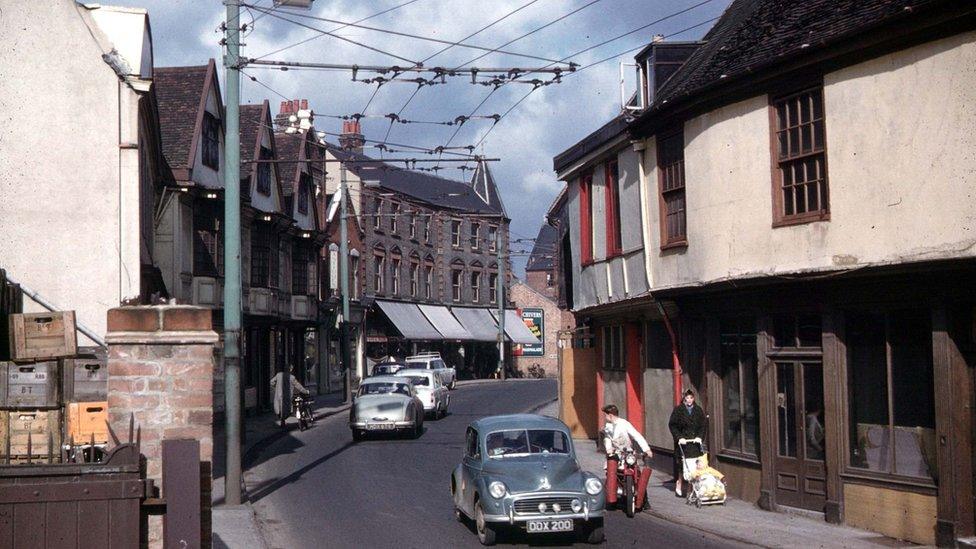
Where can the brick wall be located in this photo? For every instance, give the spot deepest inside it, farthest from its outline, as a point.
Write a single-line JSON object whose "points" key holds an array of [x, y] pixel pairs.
{"points": [[555, 319], [161, 372]]}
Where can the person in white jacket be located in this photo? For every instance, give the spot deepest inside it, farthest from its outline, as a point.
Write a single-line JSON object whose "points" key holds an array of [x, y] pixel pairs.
{"points": [[619, 436]]}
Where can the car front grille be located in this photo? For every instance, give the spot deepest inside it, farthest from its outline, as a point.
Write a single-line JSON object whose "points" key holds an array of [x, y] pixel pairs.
{"points": [[530, 506]]}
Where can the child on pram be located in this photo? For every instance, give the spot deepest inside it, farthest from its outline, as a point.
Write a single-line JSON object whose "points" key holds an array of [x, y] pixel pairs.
{"points": [[707, 486]]}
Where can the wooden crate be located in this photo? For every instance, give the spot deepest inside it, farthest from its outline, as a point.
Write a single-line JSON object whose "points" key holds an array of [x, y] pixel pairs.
{"points": [[42, 335], [87, 420], [36, 430], [29, 384], [85, 379]]}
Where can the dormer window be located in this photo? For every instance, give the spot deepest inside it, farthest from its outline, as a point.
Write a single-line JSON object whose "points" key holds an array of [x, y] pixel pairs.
{"points": [[264, 172], [304, 189], [211, 141]]}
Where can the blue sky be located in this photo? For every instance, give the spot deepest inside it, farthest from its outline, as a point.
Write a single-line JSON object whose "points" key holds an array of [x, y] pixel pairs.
{"points": [[185, 32]]}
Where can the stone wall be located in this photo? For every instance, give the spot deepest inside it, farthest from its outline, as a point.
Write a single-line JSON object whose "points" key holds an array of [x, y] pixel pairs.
{"points": [[161, 373]]}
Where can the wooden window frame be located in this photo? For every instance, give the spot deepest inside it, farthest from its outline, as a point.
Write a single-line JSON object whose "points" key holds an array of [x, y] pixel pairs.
{"points": [[301, 256], [414, 276], [780, 218], [611, 178], [428, 278], [378, 214], [492, 238], [586, 218], [457, 289], [264, 171], [379, 272], [722, 423], [678, 240], [492, 287], [260, 257], [456, 233], [412, 226], [210, 134], [475, 276], [304, 190], [475, 236], [395, 261], [394, 214]]}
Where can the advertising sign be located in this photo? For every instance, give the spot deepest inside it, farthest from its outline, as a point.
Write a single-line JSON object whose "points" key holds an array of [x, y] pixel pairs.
{"points": [[534, 319]]}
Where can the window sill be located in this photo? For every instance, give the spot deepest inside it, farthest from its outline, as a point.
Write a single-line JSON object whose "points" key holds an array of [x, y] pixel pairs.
{"points": [[675, 245], [886, 480], [740, 458], [801, 219]]}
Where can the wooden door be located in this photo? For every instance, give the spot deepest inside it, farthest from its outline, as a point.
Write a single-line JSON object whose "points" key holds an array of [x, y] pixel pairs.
{"points": [[635, 376], [800, 449]]}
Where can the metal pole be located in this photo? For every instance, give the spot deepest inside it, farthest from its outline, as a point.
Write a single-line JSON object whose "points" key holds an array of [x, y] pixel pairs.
{"points": [[344, 281], [232, 255], [500, 293]]}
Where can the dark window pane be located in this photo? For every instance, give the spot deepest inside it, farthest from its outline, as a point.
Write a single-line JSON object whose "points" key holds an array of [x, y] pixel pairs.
{"points": [[785, 409], [870, 442], [913, 394], [813, 410], [784, 331], [750, 393], [732, 397], [809, 330]]}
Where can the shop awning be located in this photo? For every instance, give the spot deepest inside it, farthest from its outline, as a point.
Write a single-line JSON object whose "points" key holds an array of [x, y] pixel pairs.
{"points": [[515, 329], [408, 320], [445, 323], [478, 322]]}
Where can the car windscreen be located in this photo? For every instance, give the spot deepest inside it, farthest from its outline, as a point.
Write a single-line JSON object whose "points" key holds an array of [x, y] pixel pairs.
{"points": [[422, 381], [384, 388], [521, 442]]}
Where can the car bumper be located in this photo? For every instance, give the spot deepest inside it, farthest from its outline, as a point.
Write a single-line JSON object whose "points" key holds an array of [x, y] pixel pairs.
{"points": [[504, 511], [364, 425]]}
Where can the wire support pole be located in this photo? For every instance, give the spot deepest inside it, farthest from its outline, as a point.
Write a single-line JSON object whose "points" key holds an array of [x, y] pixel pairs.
{"points": [[232, 254], [500, 291], [344, 283]]}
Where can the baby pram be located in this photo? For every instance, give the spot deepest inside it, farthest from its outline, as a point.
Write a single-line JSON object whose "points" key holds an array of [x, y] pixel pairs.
{"points": [[707, 486]]}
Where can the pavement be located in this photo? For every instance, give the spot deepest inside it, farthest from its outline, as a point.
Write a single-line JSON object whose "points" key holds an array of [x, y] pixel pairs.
{"points": [[736, 520]]}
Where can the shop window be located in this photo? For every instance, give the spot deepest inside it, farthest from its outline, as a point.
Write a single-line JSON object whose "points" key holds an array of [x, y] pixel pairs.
{"points": [[891, 394], [802, 330], [740, 386], [613, 348]]}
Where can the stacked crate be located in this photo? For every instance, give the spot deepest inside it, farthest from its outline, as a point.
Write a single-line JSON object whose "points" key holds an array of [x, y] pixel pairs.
{"points": [[31, 413], [85, 393]]}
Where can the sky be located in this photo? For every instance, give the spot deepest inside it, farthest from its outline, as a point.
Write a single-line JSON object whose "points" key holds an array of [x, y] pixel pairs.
{"points": [[550, 120]]}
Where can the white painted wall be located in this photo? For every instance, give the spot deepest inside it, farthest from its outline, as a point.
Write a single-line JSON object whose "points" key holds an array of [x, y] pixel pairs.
{"points": [[64, 183], [901, 136]]}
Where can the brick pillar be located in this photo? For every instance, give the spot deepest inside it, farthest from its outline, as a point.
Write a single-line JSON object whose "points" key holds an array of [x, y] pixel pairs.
{"points": [[161, 371]]}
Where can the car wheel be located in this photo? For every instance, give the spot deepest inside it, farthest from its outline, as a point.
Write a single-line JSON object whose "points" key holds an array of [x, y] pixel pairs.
{"points": [[418, 427], [458, 515], [357, 435], [594, 533], [486, 534]]}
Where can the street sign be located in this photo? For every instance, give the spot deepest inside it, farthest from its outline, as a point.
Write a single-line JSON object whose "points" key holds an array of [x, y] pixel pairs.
{"points": [[534, 319]]}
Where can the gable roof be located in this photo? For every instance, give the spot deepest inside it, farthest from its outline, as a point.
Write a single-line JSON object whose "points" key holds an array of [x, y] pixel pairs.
{"points": [[182, 99], [541, 258], [424, 187], [483, 183], [753, 36], [590, 143], [253, 120], [290, 146]]}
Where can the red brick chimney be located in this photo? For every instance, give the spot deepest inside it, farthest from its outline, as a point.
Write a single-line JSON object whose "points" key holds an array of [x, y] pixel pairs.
{"points": [[297, 108], [352, 138]]}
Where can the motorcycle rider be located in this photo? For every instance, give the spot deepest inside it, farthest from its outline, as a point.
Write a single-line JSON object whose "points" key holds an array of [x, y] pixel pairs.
{"points": [[283, 385], [618, 436]]}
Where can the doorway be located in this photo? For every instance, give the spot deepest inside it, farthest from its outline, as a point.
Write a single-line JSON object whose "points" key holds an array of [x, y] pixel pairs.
{"points": [[800, 469]]}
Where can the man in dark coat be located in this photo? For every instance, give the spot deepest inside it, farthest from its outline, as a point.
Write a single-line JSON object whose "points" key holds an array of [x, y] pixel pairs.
{"points": [[687, 421]]}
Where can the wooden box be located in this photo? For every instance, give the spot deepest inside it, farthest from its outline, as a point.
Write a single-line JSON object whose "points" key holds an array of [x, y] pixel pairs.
{"points": [[85, 379], [30, 435], [87, 420], [42, 335], [29, 384]]}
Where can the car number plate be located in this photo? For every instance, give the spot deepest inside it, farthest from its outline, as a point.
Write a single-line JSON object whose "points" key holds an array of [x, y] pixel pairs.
{"points": [[542, 526], [379, 426]]}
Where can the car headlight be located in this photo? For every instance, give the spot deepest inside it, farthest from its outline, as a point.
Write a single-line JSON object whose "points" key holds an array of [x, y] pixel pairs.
{"points": [[576, 505], [593, 486], [497, 489], [631, 459]]}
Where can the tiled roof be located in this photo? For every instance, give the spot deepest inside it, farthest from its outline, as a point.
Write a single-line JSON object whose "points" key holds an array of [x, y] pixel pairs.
{"points": [[250, 130], [755, 34], [178, 93], [544, 250], [288, 147], [427, 188]]}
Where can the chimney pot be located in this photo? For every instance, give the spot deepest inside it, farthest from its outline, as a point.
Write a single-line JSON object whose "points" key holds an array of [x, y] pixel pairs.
{"points": [[304, 104], [284, 107]]}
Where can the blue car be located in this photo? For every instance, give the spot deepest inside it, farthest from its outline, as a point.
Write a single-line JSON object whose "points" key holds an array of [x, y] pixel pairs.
{"points": [[520, 472]]}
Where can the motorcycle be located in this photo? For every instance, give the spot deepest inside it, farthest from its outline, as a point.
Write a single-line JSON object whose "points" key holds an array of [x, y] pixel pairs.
{"points": [[629, 471], [302, 408]]}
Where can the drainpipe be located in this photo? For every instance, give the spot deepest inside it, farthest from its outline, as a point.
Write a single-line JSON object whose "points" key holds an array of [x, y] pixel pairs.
{"points": [[675, 357]]}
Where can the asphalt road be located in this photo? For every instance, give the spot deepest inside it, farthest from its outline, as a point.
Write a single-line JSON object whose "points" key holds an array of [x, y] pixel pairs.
{"points": [[319, 489]]}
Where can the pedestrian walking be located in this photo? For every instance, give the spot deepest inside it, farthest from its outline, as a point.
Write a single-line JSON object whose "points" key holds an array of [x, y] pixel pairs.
{"points": [[687, 421], [283, 388]]}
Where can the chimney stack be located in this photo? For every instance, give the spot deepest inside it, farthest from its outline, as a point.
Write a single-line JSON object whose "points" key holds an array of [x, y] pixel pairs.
{"points": [[294, 116], [352, 138]]}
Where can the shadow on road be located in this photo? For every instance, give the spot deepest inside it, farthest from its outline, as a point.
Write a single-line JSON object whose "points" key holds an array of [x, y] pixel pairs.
{"points": [[269, 488]]}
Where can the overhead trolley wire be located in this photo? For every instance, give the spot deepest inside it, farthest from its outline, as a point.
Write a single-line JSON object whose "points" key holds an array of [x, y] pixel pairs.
{"points": [[339, 28]]}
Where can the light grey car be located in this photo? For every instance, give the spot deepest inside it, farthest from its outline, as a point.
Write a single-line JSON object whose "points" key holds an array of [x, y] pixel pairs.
{"points": [[386, 404], [520, 471], [432, 393]]}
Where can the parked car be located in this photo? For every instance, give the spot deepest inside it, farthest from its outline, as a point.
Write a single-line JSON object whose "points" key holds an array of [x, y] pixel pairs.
{"points": [[387, 368], [386, 404], [520, 471], [432, 393], [433, 361]]}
